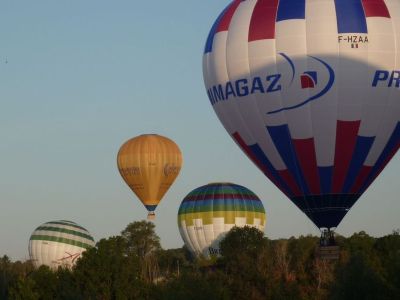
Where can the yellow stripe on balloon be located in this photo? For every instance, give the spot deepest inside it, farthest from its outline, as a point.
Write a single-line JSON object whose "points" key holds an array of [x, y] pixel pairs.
{"points": [[229, 217]]}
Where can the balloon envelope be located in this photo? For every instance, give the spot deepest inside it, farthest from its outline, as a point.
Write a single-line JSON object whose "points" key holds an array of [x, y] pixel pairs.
{"points": [[207, 213], [149, 164], [58, 243], [309, 90]]}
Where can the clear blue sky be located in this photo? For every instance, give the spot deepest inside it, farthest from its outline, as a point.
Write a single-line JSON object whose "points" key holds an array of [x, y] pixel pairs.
{"points": [[84, 76]]}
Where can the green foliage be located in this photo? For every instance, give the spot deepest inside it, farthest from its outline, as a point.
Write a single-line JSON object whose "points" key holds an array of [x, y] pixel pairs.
{"points": [[6, 276], [194, 286], [247, 241], [45, 283], [134, 266], [67, 287], [107, 271], [11, 274], [142, 242], [358, 280], [388, 250], [172, 261], [360, 242], [243, 257], [23, 289], [141, 239]]}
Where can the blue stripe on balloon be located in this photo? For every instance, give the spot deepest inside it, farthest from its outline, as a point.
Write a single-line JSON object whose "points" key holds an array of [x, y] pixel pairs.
{"points": [[289, 10], [216, 194], [325, 176], [151, 207], [262, 158], [210, 197], [362, 148], [222, 201], [350, 16], [387, 151], [283, 143]]}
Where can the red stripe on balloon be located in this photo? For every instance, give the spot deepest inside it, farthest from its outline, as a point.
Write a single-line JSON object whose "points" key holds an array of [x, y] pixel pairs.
{"points": [[258, 163], [207, 196], [263, 20], [289, 180], [248, 151], [305, 151], [360, 180], [251, 155], [226, 19], [346, 137], [375, 8]]}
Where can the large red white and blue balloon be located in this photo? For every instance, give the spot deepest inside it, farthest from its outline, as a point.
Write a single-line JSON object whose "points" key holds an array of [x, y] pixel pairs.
{"points": [[310, 91]]}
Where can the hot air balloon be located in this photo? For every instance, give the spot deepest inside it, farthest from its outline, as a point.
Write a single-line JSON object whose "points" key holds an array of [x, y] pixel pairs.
{"points": [[207, 213], [309, 90], [149, 164], [58, 243]]}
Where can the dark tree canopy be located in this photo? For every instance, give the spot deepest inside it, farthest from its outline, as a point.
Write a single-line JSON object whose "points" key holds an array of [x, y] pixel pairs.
{"points": [[134, 266]]}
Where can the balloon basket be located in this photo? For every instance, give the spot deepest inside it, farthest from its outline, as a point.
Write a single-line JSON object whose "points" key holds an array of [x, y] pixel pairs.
{"points": [[151, 216], [328, 250]]}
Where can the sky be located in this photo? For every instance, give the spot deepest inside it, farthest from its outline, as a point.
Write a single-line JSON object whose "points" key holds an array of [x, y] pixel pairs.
{"points": [[79, 78]]}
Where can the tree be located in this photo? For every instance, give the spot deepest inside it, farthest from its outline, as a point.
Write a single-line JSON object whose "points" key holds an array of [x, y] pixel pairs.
{"points": [[11, 273], [67, 287], [6, 276], [388, 250], [141, 238], [108, 272], [45, 283], [23, 289], [142, 241], [360, 243], [323, 274], [358, 280], [242, 240], [245, 259], [172, 261], [281, 261], [194, 286]]}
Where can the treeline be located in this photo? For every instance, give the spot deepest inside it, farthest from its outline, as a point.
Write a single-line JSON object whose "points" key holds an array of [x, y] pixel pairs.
{"points": [[134, 266]]}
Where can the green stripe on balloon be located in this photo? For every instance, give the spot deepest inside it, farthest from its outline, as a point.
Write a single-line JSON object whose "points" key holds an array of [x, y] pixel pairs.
{"points": [[64, 230], [222, 207], [60, 240], [67, 224]]}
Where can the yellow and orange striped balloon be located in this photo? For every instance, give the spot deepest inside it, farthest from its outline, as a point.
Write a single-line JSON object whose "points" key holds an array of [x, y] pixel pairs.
{"points": [[149, 164]]}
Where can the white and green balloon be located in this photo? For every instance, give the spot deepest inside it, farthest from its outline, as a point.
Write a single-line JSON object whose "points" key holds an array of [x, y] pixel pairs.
{"points": [[58, 243]]}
